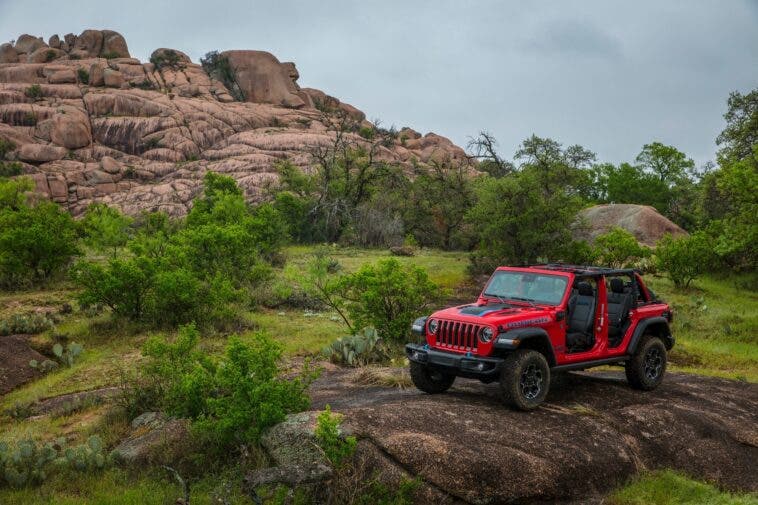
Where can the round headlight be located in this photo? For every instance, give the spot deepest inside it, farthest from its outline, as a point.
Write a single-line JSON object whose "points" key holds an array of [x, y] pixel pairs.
{"points": [[433, 325], [486, 334]]}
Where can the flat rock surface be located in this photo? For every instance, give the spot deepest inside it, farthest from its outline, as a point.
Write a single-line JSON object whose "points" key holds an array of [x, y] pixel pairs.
{"points": [[15, 355], [592, 434]]}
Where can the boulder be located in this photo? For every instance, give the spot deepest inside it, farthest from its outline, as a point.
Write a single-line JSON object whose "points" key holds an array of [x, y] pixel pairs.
{"points": [[263, 79], [89, 43], [41, 153], [593, 433], [168, 55], [70, 131], [8, 54], [66, 76], [113, 78], [54, 41], [114, 44], [152, 434], [96, 75], [642, 221], [28, 44], [110, 165], [45, 54]]}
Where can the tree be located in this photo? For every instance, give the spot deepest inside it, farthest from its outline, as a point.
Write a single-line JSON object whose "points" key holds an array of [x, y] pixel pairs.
{"points": [[434, 206], [484, 149], [386, 296], [555, 168], [684, 258], [516, 221], [105, 228], [667, 163], [36, 240], [740, 135], [618, 248]]}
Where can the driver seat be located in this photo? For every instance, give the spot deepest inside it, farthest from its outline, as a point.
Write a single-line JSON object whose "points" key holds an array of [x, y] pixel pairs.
{"points": [[579, 335]]}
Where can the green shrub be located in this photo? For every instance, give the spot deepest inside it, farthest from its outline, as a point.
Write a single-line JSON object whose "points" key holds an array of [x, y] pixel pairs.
{"points": [[109, 55], [231, 400], [167, 59], [618, 248], [105, 228], [686, 258], [10, 169], [50, 55], [357, 350], [83, 75], [367, 132], [25, 324], [218, 67], [36, 241], [386, 296], [199, 270], [6, 146], [336, 448], [34, 92], [45, 366]]}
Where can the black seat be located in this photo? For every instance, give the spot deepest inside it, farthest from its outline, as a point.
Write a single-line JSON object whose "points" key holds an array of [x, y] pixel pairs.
{"points": [[619, 304], [581, 318]]}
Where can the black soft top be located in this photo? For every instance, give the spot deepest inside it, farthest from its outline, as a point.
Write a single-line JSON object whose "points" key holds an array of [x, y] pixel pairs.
{"points": [[587, 270]]}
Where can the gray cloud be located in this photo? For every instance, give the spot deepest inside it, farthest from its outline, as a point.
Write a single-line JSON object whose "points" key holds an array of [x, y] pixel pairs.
{"points": [[609, 75]]}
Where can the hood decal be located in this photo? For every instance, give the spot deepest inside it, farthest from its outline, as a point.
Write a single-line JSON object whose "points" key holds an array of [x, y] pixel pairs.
{"points": [[482, 310]]}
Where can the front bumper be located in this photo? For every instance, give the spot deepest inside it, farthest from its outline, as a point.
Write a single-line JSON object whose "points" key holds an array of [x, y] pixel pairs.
{"points": [[461, 365]]}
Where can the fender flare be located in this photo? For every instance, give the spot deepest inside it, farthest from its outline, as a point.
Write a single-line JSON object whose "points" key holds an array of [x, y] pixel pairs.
{"points": [[642, 326], [515, 339]]}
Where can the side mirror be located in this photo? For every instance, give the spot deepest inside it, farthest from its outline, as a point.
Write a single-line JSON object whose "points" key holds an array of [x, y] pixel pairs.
{"points": [[560, 315]]}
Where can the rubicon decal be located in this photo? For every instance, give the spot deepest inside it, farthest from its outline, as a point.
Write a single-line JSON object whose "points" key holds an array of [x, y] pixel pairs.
{"points": [[528, 322]]}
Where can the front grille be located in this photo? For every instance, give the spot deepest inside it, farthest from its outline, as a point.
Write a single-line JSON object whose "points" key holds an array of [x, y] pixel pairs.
{"points": [[458, 335]]}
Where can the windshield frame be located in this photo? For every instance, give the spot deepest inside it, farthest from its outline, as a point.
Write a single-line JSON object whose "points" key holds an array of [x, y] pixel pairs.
{"points": [[523, 300]]}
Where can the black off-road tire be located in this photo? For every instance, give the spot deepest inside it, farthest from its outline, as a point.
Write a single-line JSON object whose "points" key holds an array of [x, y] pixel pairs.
{"points": [[647, 366], [429, 380], [525, 379]]}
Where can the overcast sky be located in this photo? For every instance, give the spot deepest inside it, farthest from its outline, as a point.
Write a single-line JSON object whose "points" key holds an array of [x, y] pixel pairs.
{"points": [[609, 75]]}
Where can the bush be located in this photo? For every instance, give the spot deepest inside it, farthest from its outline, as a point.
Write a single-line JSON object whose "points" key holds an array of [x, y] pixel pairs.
{"points": [[386, 296], [105, 228], [685, 258], [10, 169], [83, 75], [25, 324], [336, 447], [218, 67], [232, 400], [167, 58], [179, 274], [618, 248], [6, 146], [36, 242], [34, 92], [109, 55]]}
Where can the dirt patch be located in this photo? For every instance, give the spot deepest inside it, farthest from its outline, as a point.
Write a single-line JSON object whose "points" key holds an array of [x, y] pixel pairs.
{"points": [[15, 355], [593, 434]]}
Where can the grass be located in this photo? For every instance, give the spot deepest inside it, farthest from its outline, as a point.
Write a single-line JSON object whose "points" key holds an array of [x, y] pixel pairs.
{"points": [[116, 486], [671, 488], [715, 326]]}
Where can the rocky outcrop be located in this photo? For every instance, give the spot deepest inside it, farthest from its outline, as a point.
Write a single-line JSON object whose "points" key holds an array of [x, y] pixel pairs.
{"points": [[642, 221], [593, 433], [15, 355], [162, 124], [152, 434]]}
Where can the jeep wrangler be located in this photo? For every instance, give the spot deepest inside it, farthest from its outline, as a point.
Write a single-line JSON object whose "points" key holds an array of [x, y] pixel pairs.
{"points": [[531, 322]]}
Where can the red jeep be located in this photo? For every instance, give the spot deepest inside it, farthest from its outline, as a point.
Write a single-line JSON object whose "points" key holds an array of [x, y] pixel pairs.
{"points": [[531, 321]]}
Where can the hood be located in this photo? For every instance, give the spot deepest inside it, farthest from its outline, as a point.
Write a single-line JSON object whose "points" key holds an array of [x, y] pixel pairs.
{"points": [[491, 313]]}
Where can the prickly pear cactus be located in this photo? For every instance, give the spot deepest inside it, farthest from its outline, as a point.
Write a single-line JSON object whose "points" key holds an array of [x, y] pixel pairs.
{"points": [[356, 350]]}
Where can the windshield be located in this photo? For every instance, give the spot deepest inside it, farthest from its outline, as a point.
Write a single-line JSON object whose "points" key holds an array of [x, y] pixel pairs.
{"points": [[526, 286]]}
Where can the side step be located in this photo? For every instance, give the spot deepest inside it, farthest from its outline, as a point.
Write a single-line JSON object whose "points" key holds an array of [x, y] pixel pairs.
{"points": [[590, 364]]}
